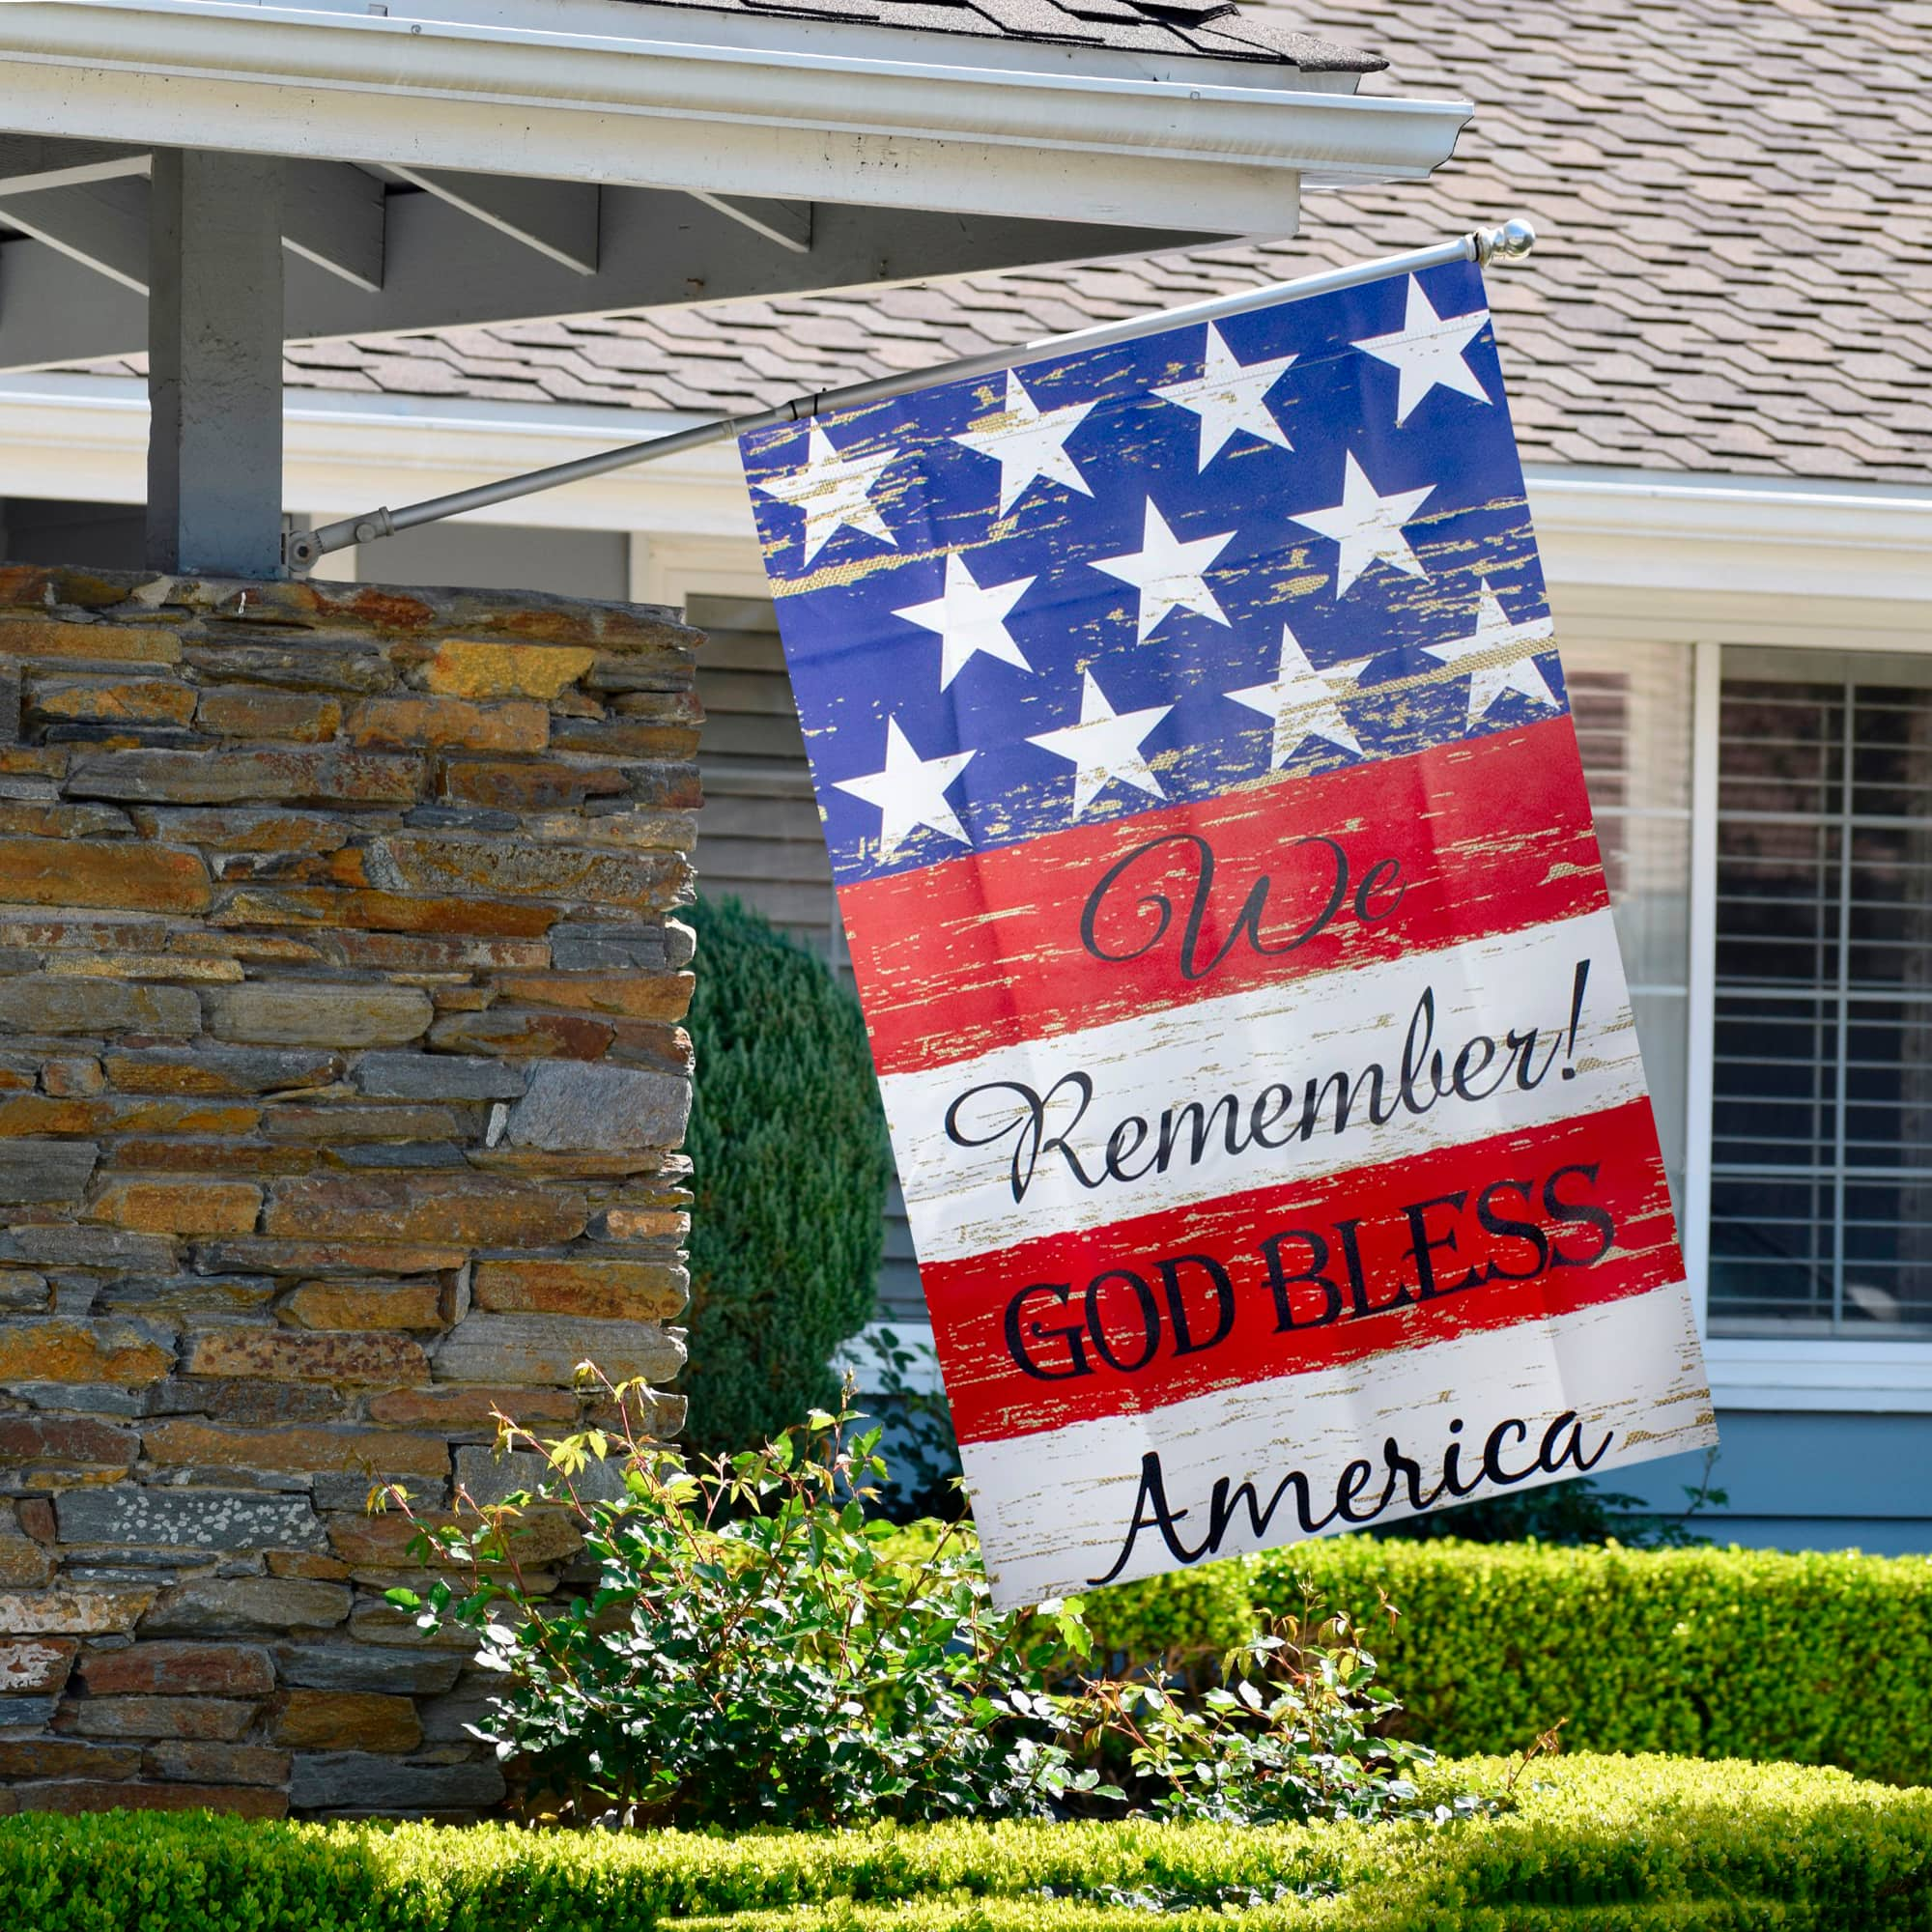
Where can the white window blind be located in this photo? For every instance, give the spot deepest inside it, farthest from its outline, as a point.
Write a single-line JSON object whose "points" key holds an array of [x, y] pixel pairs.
{"points": [[1821, 1194], [1631, 703]]}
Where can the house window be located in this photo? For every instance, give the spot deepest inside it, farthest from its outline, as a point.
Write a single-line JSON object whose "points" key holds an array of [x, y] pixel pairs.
{"points": [[1633, 707], [1821, 1156]]}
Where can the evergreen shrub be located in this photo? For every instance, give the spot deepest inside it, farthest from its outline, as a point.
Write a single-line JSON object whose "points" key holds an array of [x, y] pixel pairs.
{"points": [[1815, 1658], [790, 1168], [1576, 1844]]}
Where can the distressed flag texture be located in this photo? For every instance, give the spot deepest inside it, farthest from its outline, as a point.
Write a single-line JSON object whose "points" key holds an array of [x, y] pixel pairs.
{"points": [[1210, 832]]}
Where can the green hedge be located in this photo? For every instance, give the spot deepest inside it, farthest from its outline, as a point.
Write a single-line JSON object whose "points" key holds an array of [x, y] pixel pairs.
{"points": [[790, 1172], [1585, 1843], [1712, 1653]]}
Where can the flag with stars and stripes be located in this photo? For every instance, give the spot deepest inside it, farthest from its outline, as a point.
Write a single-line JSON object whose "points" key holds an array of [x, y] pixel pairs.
{"points": [[1209, 828]]}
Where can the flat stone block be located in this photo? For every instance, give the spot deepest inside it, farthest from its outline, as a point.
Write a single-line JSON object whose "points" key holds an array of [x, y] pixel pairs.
{"points": [[220, 1070], [177, 1205], [46, 1003], [45, 1171], [300, 1013], [361, 1721], [358, 1305], [466, 669], [600, 1289], [64, 1757], [112, 1353], [186, 1518], [130, 877], [402, 724], [192, 1761], [363, 1781], [249, 1602], [99, 1611], [238, 1799], [179, 1670], [65, 1442], [574, 1104], [213, 1718], [336, 1666], [224, 777], [373, 1452], [546, 1349], [31, 1666], [285, 1354], [480, 1211], [438, 1076]]}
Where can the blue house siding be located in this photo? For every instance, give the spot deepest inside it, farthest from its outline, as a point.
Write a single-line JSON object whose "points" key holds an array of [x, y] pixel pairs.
{"points": [[1798, 1480]]}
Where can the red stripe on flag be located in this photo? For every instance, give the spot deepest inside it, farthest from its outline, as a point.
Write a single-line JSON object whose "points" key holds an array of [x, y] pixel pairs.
{"points": [[1274, 1282], [1294, 876]]}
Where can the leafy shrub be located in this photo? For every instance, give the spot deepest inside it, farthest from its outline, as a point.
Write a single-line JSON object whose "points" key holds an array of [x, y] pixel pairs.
{"points": [[1580, 1845], [790, 1169], [756, 1646]]}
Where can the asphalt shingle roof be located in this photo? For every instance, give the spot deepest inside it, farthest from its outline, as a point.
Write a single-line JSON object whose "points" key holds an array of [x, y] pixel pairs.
{"points": [[1211, 27], [1735, 270]]}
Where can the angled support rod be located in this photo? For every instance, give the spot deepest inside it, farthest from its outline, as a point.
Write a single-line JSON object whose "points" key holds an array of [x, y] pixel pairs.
{"points": [[305, 548]]}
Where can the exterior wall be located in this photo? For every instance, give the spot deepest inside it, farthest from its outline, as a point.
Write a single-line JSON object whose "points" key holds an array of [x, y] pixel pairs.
{"points": [[340, 1071]]}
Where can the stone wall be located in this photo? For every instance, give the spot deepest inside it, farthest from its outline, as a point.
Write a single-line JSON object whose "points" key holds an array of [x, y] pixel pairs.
{"points": [[339, 1070]]}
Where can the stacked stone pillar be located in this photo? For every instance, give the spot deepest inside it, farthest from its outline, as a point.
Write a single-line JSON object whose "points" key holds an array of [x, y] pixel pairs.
{"points": [[341, 1076]]}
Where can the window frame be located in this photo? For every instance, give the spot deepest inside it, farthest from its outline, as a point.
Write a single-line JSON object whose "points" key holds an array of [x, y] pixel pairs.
{"points": [[1799, 1372]]}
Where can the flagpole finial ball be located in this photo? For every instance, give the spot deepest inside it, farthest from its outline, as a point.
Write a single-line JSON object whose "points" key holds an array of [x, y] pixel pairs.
{"points": [[1510, 242]]}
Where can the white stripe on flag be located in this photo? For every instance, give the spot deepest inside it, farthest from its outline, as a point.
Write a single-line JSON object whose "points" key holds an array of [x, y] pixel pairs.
{"points": [[1296, 1035], [1055, 1509]]}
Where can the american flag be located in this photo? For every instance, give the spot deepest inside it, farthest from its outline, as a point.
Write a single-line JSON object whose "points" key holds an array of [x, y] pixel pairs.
{"points": [[1209, 828]]}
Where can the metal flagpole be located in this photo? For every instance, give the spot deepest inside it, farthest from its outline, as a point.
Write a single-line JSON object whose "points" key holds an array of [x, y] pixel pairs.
{"points": [[305, 548]]}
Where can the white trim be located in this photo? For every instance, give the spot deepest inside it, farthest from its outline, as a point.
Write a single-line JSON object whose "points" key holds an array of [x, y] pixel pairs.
{"points": [[1821, 1377], [1700, 1018], [931, 127], [863, 1357]]}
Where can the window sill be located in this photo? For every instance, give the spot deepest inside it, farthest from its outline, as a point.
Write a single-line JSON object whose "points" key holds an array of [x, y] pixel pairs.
{"points": [[1858, 1378]]}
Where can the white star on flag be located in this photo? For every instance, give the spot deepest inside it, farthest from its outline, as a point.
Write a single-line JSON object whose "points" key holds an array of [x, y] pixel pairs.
{"points": [[970, 618], [1426, 352], [1301, 701], [1028, 442], [1368, 526], [1169, 575], [1229, 397], [834, 492], [910, 792], [1501, 656], [1104, 746]]}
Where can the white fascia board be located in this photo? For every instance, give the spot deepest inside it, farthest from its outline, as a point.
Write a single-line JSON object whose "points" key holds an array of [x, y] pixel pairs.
{"points": [[935, 128]]}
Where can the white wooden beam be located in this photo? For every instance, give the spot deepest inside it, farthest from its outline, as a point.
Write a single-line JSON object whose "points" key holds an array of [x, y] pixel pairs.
{"points": [[102, 224], [557, 218], [31, 162], [788, 223], [332, 216]]}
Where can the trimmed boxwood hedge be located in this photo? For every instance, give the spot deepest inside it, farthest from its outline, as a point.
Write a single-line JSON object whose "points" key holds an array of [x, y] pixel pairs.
{"points": [[1713, 1653], [1583, 1843]]}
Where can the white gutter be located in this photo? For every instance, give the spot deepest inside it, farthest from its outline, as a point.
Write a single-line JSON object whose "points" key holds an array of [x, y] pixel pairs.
{"points": [[924, 130]]}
